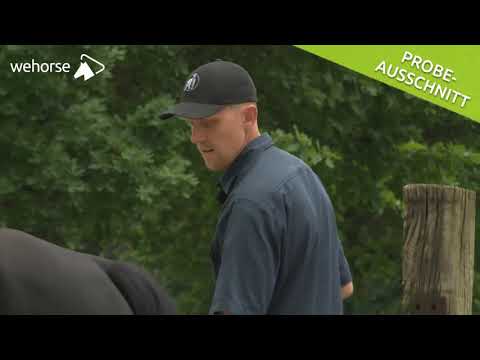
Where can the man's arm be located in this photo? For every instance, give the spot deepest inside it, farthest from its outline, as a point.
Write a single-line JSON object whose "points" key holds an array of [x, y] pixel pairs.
{"points": [[346, 281]]}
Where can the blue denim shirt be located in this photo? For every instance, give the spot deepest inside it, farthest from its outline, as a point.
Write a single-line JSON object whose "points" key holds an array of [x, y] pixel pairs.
{"points": [[276, 249]]}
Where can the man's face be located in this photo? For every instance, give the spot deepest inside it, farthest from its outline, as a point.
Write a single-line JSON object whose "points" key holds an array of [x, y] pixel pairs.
{"points": [[219, 138]]}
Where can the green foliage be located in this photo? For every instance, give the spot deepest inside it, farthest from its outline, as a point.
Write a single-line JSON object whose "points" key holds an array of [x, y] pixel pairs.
{"points": [[302, 146], [88, 165]]}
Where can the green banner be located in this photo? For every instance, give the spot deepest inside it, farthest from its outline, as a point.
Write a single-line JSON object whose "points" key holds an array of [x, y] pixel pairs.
{"points": [[446, 75]]}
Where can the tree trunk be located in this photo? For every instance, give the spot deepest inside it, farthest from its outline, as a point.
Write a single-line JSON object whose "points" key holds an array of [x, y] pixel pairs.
{"points": [[438, 254]]}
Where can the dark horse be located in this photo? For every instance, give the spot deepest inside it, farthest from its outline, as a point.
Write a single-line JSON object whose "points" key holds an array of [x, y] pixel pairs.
{"points": [[38, 277]]}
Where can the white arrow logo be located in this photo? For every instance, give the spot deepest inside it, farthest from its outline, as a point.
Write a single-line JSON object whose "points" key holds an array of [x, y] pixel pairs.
{"points": [[85, 70]]}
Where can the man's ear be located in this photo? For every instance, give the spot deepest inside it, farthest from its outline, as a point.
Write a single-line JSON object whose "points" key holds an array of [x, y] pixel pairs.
{"points": [[250, 114]]}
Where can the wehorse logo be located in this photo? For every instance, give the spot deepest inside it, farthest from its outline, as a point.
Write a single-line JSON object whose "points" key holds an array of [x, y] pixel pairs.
{"points": [[33, 66], [84, 70]]}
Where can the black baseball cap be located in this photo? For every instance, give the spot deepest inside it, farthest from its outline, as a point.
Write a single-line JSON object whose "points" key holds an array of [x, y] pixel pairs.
{"points": [[210, 88]]}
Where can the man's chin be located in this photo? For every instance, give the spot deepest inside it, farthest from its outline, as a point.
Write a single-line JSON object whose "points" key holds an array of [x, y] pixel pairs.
{"points": [[213, 167]]}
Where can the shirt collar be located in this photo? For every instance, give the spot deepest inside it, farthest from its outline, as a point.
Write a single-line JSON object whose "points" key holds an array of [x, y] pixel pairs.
{"points": [[243, 161]]}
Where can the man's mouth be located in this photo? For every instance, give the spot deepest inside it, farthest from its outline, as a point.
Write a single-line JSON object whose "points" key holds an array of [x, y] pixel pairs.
{"points": [[207, 151]]}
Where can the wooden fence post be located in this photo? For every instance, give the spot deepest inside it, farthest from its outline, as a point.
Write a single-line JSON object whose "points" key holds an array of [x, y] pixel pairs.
{"points": [[438, 253]]}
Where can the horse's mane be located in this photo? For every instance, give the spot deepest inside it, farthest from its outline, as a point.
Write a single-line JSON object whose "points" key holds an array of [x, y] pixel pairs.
{"points": [[138, 287]]}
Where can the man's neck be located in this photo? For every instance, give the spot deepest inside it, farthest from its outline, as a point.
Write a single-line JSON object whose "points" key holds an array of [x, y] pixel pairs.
{"points": [[252, 137]]}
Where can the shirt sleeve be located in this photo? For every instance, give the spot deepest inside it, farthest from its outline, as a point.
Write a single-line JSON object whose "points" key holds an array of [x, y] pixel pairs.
{"points": [[249, 261], [345, 273]]}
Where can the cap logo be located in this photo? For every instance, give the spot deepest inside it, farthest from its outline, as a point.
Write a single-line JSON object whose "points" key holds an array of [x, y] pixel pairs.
{"points": [[192, 83]]}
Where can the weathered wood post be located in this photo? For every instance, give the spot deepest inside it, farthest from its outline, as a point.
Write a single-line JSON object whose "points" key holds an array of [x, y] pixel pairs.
{"points": [[438, 253]]}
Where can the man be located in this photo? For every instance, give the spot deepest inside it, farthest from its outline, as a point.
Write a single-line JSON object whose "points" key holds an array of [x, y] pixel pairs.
{"points": [[276, 249]]}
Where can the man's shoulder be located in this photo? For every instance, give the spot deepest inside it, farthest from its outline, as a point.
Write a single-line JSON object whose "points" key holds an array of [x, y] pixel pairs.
{"points": [[269, 175]]}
